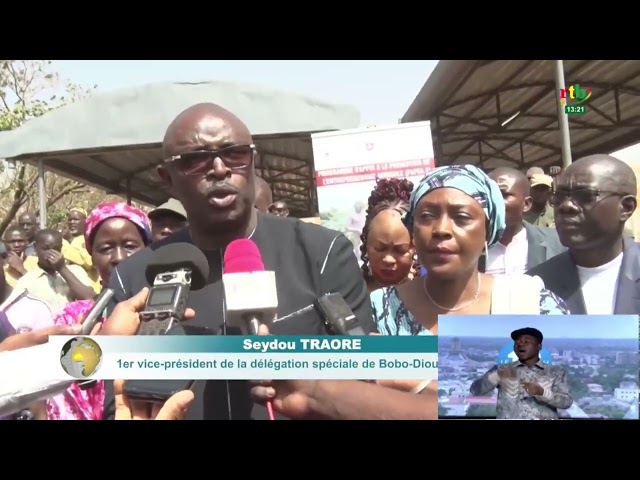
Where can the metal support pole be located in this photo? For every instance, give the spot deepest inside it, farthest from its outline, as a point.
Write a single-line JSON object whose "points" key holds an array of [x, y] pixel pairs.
{"points": [[563, 119], [42, 195]]}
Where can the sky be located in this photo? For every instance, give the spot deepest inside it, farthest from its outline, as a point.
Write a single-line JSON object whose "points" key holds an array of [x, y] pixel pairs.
{"points": [[557, 326], [381, 89]]}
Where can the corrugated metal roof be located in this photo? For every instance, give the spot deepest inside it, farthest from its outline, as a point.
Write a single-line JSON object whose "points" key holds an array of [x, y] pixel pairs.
{"points": [[114, 138], [505, 112]]}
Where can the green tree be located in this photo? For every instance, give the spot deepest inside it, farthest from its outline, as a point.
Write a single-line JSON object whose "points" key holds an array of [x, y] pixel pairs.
{"points": [[481, 411], [577, 388], [29, 89]]}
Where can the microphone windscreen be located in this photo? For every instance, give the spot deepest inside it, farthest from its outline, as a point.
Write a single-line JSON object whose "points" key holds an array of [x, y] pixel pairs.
{"points": [[242, 256], [177, 256]]}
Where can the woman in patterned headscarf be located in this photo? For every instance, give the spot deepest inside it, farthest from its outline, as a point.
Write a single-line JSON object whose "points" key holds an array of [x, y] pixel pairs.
{"points": [[113, 232], [456, 213]]}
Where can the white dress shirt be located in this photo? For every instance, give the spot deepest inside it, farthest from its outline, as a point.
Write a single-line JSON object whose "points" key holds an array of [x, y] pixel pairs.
{"points": [[510, 259]]}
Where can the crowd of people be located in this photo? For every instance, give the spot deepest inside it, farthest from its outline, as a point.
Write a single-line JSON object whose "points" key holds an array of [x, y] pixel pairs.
{"points": [[461, 242]]}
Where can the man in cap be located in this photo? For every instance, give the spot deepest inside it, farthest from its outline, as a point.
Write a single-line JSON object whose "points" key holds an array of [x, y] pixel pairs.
{"points": [[208, 165], [600, 272], [540, 213], [528, 389], [167, 218]]}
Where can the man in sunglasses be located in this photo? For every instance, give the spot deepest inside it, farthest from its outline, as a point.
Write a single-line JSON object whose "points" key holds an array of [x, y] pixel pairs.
{"points": [[600, 272], [279, 209], [208, 165]]}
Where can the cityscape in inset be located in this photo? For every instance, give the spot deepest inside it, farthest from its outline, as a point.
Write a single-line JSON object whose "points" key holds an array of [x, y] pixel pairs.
{"points": [[603, 372]]}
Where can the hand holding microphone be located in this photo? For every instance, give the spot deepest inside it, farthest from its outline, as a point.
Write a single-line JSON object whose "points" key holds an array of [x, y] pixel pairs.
{"points": [[176, 270], [292, 398], [125, 319], [175, 408]]}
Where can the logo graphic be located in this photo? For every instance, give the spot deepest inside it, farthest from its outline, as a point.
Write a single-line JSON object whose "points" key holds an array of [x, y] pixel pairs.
{"points": [[507, 355], [574, 99], [369, 146], [81, 357]]}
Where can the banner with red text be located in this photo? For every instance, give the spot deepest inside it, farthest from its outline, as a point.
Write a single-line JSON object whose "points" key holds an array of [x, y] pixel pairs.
{"points": [[347, 163]]}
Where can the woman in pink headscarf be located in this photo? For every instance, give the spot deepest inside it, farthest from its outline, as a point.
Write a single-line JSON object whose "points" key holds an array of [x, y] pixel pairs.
{"points": [[113, 232]]}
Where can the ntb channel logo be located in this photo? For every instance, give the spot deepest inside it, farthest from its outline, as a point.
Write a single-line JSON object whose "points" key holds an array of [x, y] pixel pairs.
{"points": [[574, 99]]}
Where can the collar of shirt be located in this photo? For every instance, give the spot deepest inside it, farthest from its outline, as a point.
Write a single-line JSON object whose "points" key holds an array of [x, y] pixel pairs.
{"points": [[538, 364]]}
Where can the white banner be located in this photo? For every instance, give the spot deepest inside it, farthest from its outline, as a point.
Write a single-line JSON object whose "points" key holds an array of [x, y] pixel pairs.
{"points": [[347, 163]]}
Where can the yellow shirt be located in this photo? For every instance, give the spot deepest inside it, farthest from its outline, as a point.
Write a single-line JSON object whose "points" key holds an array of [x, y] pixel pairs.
{"points": [[50, 289], [76, 254]]}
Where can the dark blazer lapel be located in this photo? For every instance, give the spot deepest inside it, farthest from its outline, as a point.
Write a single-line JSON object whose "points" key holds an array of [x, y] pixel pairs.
{"points": [[537, 246], [628, 294], [567, 284]]}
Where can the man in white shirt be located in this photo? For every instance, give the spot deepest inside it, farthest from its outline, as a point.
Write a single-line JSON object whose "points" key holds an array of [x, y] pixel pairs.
{"points": [[600, 273], [522, 245]]}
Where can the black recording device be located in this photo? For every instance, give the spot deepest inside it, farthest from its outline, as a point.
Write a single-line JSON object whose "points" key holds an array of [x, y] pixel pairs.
{"points": [[157, 391], [337, 315], [175, 270]]}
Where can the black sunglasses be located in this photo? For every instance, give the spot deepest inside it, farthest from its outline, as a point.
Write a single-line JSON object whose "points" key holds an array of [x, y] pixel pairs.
{"points": [[581, 196], [200, 162]]}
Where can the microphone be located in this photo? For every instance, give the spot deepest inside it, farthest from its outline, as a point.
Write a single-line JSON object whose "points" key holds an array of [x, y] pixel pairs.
{"points": [[97, 309], [336, 314], [175, 270], [338, 317], [250, 292], [251, 296], [90, 321], [25, 386]]}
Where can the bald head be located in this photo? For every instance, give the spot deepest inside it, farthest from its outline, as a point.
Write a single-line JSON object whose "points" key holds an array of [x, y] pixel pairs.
{"points": [[203, 123], [518, 178], [214, 176], [264, 195], [604, 172]]}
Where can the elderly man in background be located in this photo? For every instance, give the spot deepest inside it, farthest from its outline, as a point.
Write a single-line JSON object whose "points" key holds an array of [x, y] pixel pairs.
{"points": [[600, 273]]}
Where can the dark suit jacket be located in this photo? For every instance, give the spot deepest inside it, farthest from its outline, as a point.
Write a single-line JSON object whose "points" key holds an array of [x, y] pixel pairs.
{"points": [[543, 245], [296, 251], [561, 277]]}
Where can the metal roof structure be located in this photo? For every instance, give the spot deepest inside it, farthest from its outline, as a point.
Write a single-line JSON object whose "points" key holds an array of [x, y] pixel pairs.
{"points": [[112, 140], [495, 113]]}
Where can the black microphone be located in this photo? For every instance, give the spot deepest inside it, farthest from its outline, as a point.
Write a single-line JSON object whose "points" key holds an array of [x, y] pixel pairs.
{"points": [[336, 314], [175, 270], [338, 317]]}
